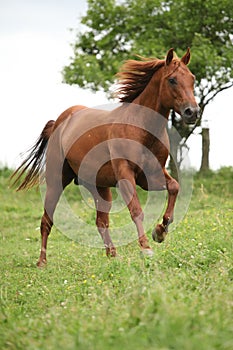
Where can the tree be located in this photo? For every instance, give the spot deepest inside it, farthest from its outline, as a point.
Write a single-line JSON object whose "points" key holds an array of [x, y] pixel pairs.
{"points": [[116, 30]]}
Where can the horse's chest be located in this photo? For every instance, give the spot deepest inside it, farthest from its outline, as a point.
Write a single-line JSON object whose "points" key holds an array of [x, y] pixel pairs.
{"points": [[150, 172], [154, 157]]}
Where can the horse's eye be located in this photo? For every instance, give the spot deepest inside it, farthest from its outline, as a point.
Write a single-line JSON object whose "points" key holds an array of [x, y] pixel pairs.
{"points": [[172, 81]]}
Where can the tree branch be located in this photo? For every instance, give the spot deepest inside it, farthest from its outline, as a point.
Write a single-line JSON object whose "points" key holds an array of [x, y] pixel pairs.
{"points": [[216, 92]]}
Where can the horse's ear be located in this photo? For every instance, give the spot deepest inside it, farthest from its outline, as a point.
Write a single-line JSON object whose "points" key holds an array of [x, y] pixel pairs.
{"points": [[169, 56], [186, 58]]}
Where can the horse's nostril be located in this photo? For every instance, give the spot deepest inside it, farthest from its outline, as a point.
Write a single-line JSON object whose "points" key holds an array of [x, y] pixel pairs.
{"points": [[188, 112], [190, 115]]}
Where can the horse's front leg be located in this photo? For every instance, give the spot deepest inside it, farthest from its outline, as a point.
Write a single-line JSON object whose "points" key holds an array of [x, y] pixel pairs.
{"points": [[127, 185], [161, 230]]}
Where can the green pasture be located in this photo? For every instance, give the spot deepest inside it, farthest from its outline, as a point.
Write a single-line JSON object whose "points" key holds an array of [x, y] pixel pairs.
{"points": [[180, 299]]}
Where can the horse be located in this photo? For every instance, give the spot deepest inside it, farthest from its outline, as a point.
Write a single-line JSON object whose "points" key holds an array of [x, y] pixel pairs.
{"points": [[126, 147]]}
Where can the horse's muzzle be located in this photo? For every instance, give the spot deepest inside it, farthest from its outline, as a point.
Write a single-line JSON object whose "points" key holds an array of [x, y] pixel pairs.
{"points": [[190, 114]]}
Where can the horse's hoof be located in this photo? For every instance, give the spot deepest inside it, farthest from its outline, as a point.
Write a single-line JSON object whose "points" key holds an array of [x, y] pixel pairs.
{"points": [[111, 252], [147, 252], [159, 234], [41, 263]]}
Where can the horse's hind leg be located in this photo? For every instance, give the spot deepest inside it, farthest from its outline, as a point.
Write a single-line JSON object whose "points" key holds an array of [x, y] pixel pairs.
{"points": [[103, 202], [53, 193], [51, 199]]}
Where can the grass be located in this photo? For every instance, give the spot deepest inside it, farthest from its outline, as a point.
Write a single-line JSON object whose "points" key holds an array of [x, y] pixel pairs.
{"points": [[182, 298]]}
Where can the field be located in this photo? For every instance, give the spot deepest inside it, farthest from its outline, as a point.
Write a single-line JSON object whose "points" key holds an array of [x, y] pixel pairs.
{"points": [[182, 298]]}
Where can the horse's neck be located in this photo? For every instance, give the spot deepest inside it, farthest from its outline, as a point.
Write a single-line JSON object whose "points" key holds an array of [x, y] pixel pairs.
{"points": [[150, 96], [154, 116]]}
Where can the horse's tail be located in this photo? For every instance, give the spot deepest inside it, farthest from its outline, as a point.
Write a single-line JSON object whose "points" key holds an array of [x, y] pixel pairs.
{"points": [[32, 166]]}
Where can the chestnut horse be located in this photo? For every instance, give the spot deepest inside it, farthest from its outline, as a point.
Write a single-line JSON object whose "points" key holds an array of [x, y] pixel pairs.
{"points": [[125, 147]]}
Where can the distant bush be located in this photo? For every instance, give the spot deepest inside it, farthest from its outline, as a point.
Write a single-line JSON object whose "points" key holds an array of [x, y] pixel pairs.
{"points": [[218, 181], [5, 172]]}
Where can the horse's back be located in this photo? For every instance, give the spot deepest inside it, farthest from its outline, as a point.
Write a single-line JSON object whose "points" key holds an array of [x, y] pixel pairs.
{"points": [[67, 114]]}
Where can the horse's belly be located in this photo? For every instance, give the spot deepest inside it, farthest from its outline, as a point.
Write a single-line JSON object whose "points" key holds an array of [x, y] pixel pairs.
{"points": [[154, 181], [92, 165], [95, 176]]}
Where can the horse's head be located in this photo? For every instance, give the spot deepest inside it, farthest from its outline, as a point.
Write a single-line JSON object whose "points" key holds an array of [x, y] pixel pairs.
{"points": [[177, 86]]}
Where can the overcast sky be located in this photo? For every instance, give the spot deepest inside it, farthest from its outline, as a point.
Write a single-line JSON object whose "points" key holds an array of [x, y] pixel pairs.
{"points": [[35, 45]]}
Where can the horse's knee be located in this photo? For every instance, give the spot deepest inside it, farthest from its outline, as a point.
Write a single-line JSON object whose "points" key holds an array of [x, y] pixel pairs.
{"points": [[173, 187]]}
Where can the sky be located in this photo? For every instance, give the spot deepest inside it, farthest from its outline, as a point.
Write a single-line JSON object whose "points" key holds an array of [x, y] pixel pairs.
{"points": [[35, 42]]}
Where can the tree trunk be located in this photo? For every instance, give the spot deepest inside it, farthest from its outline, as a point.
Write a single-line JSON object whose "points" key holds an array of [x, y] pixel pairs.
{"points": [[205, 150]]}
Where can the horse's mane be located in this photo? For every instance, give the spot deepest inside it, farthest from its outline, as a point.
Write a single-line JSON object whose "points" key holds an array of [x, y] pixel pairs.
{"points": [[134, 76]]}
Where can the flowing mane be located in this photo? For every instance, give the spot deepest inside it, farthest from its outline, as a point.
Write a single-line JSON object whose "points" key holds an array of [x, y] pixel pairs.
{"points": [[134, 76]]}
